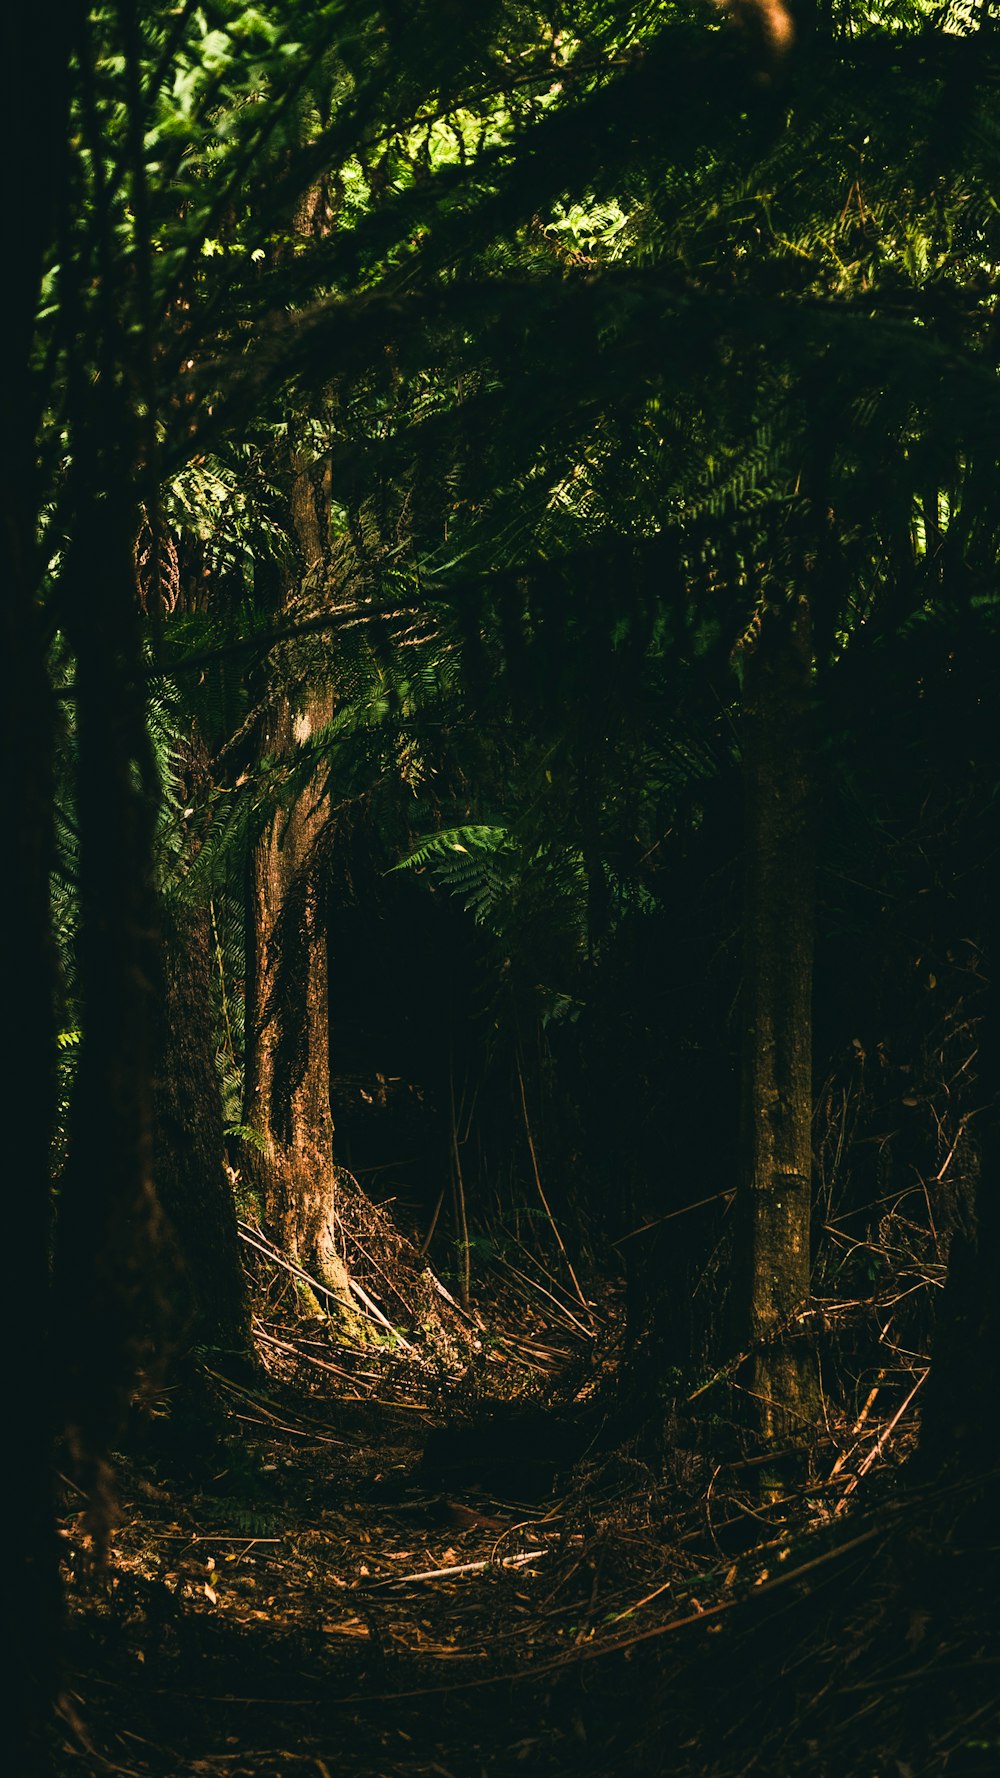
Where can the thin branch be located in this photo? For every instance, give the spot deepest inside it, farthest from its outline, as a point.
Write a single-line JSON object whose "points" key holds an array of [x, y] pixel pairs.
{"points": [[399, 1580], [541, 1193]]}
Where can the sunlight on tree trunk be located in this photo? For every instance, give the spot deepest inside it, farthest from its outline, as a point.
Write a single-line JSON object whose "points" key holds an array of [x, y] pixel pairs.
{"points": [[288, 1054], [288, 1036]]}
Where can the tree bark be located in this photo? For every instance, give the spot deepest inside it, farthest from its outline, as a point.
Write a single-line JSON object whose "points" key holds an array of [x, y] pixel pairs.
{"points": [[288, 1044], [37, 44], [27, 723], [776, 1171], [188, 1140], [288, 1035], [188, 1123]]}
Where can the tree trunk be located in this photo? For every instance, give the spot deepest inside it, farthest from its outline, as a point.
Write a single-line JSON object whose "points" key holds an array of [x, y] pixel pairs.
{"points": [[114, 1305], [27, 722], [188, 1124], [288, 1044], [188, 1141], [37, 44], [776, 1171], [288, 1033]]}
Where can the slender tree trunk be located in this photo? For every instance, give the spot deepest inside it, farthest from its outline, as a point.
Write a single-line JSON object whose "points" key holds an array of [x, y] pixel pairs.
{"points": [[288, 1008], [776, 1172], [287, 1092], [958, 1428], [288, 1042]]}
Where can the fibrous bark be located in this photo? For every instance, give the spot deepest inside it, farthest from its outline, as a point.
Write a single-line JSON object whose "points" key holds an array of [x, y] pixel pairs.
{"points": [[288, 1040], [776, 1172], [288, 1045]]}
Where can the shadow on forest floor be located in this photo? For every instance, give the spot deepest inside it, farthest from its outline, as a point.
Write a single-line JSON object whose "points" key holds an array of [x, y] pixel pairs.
{"points": [[316, 1595]]}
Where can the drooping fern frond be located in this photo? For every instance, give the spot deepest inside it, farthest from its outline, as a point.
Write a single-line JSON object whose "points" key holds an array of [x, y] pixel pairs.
{"points": [[471, 838]]}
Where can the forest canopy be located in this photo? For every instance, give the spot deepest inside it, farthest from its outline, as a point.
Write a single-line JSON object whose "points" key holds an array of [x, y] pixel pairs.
{"points": [[500, 537]]}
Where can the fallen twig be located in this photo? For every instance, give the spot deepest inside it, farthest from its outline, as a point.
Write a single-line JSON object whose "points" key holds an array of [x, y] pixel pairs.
{"points": [[322, 1364], [398, 1580], [255, 1239], [544, 1200], [565, 1315], [879, 1445]]}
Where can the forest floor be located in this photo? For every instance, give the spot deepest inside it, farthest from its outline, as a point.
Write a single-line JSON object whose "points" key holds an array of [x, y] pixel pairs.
{"points": [[320, 1590]]}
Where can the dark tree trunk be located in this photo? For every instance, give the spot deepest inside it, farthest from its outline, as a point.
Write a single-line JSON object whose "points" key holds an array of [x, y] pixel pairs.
{"points": [[188, 1142], [36, 43], [776, 1170], [26, 738], [958, 1430], [188, 1128], [113, 1304]]}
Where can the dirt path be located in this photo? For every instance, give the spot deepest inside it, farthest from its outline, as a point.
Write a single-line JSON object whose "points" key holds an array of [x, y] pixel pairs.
{"points": [[308, 1595], [317, 1603]]}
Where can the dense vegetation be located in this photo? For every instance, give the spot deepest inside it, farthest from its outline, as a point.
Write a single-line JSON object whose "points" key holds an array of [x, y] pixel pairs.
{"points": [[500, 543]]}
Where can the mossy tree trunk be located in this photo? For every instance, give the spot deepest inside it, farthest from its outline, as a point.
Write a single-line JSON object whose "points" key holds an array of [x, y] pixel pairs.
{"points": [[776, 1170]]}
